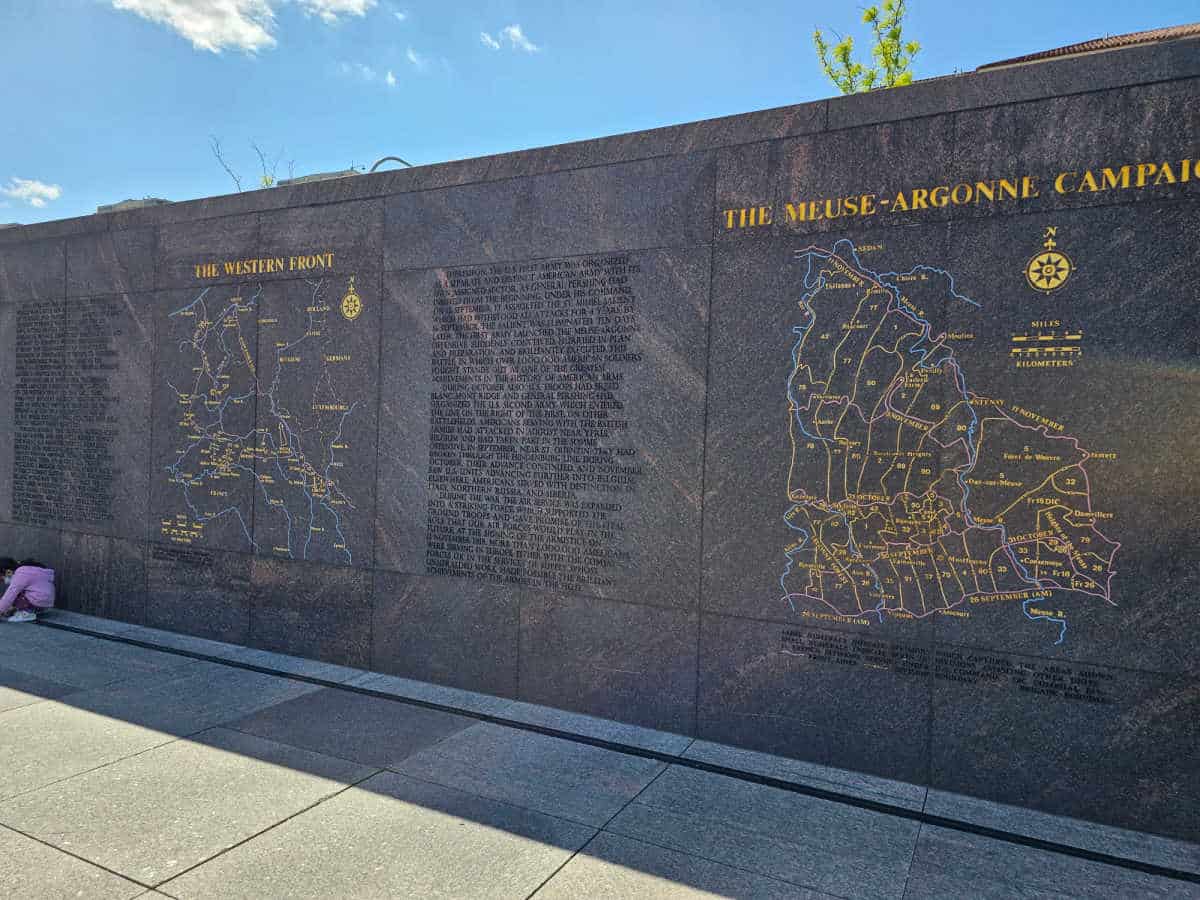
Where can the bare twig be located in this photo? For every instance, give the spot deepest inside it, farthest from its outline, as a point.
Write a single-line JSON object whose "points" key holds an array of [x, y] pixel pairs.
{"points": [[216, 149], [268, 172]]}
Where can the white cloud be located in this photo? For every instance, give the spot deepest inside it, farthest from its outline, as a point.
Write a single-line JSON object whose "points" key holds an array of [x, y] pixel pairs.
{"points": [[517, 38], [247, 25], [212, 25], [513, 34], [32, 191], [358, 70], [419, 62], [329, 10], [400, 16]]}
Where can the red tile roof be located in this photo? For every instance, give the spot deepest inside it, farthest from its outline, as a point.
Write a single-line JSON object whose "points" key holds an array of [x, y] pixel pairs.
{"points": [[1113, 42]]}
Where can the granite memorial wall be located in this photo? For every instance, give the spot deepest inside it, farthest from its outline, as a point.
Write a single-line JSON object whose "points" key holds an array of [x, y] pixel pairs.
{"points": [[862, 431]]}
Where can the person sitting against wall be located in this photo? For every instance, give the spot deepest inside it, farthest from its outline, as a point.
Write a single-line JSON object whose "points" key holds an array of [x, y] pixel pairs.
{"points": [[29, 589]]}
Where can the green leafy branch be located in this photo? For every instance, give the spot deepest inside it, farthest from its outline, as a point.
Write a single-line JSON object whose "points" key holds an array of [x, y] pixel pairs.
{"points": [[892, 55]]}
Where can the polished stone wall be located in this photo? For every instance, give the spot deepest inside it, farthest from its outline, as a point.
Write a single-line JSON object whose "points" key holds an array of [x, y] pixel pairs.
{"points": [[554, 425]]}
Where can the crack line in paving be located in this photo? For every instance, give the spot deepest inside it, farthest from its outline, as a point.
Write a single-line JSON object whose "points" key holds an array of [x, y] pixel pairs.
{"points": [[82, 859], [875, 806], [608, 822], [270, 827], [911, 861]]}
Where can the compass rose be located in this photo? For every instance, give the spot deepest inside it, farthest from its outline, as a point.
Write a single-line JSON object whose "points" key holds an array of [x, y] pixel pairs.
{"points": [[351, 303], [1048, 271], [1049, 268]]}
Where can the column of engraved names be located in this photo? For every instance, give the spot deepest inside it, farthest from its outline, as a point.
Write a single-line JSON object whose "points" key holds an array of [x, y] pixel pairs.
{"points": [[530, 466], [64, 417]]}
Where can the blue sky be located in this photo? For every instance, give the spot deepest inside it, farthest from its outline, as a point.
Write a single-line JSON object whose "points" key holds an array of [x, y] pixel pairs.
{"points": [[109, 99]]}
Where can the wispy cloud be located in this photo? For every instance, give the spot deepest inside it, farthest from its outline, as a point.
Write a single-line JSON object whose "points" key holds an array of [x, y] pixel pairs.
{"points": [[400, 16], [330, 10], [513, 35], [358, 70], [246, 25], [419, 62], [212, 25], [368, 74], [31, 191], [517, 38]]}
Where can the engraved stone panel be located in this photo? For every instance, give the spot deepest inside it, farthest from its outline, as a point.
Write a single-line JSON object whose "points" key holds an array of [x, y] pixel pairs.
{"points": [[1089, 742], [459, 632], [333, 239], [314, 450], [832, 696], [80, 383], [321, 612], [206, 387], [823, 460], [110, 262], [32, 271], [103, 576], [650, 203], [198, 591], [1088, 464], [545, 418], [28, 542], [208, 251], [1078, 155], [852, 178], [1029, 573], [8, 401], [615, 660]]}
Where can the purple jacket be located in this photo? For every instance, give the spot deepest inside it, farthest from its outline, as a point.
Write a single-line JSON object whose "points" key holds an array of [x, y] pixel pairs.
{"points": [[37, 585]]}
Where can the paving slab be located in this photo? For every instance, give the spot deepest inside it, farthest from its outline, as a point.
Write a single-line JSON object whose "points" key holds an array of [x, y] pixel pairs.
{"points": [[294, 665], [1149, 848], [78, 659], [616, 867], [84, 621], [814, 844], [19, 689], [557, 777], [46, 742], [199, 697], [29, 869], [603, 729], [952, 864], [297, 665], [217, 649], [827, 778], [470, 701], [393, 837], [175, 640], [158, 814], [369, 730]]}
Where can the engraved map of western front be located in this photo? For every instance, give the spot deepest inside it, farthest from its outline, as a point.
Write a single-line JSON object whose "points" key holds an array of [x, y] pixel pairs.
{"points": [[912, 491], [265, 410]]}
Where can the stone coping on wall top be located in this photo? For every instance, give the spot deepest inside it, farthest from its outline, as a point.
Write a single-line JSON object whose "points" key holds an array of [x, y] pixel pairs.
{"points": [[1088, 836], [947, 94]]}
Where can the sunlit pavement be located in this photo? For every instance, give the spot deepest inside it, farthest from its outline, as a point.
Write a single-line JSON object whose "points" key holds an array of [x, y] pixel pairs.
{"points": [[130, 772]]}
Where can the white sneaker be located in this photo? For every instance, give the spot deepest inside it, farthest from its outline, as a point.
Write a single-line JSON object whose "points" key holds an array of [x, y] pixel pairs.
{"points": [[23, 615]]}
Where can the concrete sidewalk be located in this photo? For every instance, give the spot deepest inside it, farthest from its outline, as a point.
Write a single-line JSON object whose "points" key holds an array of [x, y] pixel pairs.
{"points": [[134, 772]]}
